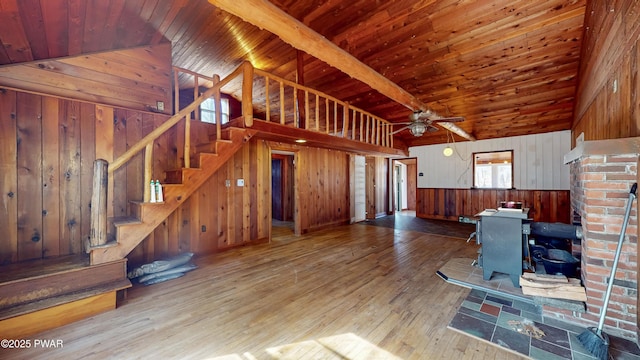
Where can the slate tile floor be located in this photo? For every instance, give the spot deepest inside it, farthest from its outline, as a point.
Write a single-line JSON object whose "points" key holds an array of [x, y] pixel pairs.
{"points": [[520, 327]]}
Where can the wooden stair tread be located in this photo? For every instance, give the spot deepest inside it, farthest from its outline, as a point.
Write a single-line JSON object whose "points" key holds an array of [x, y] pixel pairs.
{"points": [[22, 309], [183, 169], [41, 267], [56, 278], [125, 220]]}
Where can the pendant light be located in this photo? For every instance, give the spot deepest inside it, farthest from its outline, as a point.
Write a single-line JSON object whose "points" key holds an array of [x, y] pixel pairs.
{"points": [[448, 151]]}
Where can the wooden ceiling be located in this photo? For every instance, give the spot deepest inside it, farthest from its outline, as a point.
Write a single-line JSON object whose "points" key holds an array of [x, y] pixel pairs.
{"points": [[508, 67]]}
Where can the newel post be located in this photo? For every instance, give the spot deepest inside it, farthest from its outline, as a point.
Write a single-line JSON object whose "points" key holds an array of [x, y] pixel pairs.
{"points": [[247, 94], [98, 234], [218, 105]]}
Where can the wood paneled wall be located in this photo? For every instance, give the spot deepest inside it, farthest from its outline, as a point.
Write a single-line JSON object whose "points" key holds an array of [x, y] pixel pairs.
{"points": [[322, 179], [447, 204], [131, 78], [48, 149], [609, 87], [217, 217], [48, 146]]}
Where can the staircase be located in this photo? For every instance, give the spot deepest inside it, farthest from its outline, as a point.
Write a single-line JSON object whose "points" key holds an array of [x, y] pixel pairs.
{"points": [[180, 184]]}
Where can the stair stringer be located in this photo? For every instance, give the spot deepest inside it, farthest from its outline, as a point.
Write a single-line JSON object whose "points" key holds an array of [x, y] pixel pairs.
{"points": [[130, 234]]}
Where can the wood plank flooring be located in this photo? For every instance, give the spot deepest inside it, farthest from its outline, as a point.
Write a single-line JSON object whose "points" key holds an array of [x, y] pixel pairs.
{"points": [[350, 292]]}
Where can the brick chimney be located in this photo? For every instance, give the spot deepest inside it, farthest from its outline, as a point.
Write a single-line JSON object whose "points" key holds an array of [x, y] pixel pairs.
{"points": [[602, 173]]}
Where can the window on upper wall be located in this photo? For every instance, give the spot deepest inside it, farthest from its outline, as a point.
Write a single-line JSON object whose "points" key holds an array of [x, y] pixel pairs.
{"points": [[493, 170], [208, 111]]}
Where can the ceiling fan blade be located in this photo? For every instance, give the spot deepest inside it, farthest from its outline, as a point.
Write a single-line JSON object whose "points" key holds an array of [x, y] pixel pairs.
{"points": [[449, 119], [431, 128], [420, 115], [402, 128]]}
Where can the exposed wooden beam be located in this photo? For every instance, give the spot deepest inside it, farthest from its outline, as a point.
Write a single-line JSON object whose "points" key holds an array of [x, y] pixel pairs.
{"points": [[267, 16]]}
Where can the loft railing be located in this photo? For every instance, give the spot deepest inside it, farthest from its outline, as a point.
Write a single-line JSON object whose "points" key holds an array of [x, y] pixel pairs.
{"points": [[291, 105]]}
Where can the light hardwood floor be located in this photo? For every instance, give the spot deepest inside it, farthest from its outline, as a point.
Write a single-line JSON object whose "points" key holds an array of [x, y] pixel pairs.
{"points": [[351, 292]]}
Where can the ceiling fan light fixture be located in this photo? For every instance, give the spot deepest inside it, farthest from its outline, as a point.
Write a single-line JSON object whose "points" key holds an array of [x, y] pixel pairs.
{"points": [[418, 128]]}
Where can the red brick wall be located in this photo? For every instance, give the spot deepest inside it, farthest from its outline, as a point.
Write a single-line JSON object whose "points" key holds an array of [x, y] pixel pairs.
{"points": [[600, 186]]}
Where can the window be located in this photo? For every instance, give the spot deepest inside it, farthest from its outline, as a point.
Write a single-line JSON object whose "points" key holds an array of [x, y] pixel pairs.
{"points": [[493, 170], [208, 111]]}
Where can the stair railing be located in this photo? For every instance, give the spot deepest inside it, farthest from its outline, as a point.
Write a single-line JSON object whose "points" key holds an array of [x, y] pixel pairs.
{"points": [[103, 172]]}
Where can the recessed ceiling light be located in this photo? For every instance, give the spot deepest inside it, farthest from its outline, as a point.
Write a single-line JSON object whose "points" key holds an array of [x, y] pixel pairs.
{"points": [[300, 141]]}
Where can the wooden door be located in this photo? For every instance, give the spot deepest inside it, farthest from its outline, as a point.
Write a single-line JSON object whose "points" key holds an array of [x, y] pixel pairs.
{"points": [[359, 184], [370, 179], [276, 190]]}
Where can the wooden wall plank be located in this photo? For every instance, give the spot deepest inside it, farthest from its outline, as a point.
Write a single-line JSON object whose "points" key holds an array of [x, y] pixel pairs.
{"points": [[87, 158], [9, 177], [33, 23], [204, 201], [184, 223], [255, 156], [221, 210], [15, 43], [161, 241], [194, 220], [120, 205], [50, 177], [246, 193], [29, 162], [234, 225], [161, 153], [104, 130], [70, 152], [212, 230], [135, 167], [173, 234], [77, 18], [55, 18]]}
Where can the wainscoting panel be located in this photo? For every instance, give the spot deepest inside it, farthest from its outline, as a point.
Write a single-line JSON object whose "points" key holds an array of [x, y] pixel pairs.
{"points": [[449, 204]]}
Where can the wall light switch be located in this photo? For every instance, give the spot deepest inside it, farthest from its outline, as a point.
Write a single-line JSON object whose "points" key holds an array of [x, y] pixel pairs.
{"points": [[227, 183], [240, 182], [160, 105]]}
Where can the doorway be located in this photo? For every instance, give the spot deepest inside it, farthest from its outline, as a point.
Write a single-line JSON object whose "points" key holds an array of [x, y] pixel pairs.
{"points": [[360, 188], [404, 184], [282, 192]]}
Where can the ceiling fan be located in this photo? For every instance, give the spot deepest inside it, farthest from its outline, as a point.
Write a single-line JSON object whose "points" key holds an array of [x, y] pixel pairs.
{"points": [[422, 121]]}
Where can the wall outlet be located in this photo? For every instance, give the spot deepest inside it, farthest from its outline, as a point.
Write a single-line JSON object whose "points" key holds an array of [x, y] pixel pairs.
{"points": [[240, 182], [160, 105], [227, 183]]}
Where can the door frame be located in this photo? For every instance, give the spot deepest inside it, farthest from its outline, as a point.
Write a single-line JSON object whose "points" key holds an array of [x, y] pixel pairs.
{"points": [[405, 183], [297, 224]]}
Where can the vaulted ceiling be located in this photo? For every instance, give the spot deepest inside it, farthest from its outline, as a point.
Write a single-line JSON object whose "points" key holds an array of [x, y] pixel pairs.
{"points": [[508, 67]]}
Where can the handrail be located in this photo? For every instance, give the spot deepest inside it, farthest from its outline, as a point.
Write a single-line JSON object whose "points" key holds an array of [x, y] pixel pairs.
{"points": [[153, 135]]}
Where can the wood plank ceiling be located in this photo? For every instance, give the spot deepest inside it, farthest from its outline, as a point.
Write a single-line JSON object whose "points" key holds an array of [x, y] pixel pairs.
{"points": [[509, 67]]}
